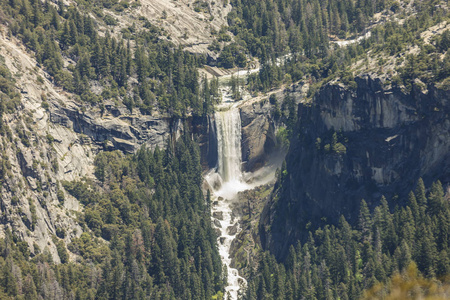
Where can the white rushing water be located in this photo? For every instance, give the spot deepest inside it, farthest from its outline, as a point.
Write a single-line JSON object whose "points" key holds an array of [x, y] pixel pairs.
{"points": [[227, 180]]}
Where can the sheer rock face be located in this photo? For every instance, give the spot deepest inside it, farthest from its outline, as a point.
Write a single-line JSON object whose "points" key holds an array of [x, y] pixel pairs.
{"points": [[258, 135], [391, 139], [122, 130], [126, 132]]}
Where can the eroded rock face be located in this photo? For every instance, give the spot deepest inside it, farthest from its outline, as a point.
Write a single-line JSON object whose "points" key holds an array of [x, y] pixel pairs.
{"points": [[119, 129], [258, 135], [126, 132], [386, 140]]}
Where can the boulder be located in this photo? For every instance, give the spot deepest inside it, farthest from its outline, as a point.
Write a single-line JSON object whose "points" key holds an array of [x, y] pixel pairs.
{"points": [[218, 215], [232, 230]]}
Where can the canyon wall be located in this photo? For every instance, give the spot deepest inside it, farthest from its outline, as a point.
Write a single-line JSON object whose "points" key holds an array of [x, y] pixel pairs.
{"points": [[258, 135], [356, 144]]}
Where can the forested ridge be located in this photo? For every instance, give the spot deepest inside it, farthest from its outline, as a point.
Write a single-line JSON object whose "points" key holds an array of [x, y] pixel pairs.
{"points": [[299, 29], [293, 40]]}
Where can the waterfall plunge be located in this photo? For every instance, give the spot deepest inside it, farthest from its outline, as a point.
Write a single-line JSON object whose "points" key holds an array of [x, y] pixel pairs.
{"points": [[228, 180], [229, 153], [229, 142]]}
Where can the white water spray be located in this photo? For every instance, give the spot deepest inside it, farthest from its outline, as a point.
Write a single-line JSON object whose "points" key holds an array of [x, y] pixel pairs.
{"points": [[228, 180]]}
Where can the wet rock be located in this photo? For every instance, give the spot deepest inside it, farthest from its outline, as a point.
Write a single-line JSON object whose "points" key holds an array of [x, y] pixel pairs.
{"points": [[258, 135], [232, 230], [217, 223], [220, 198], [215, 203], [218, 215], [217, 230], [222, 240]]}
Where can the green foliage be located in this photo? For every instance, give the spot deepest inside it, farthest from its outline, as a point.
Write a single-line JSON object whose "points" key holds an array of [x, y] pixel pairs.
{"points": [[167, 76], [270, 29], [340, 262], [334, 144], [150, 208], [33, 214], [232, 55], [283, 138], [153, 213], [62, 252], [60, 195], [9, 95], [407, 285]]}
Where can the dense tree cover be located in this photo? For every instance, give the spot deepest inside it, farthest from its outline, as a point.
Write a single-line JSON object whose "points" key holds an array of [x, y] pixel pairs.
{"points": [[151, 211], [270, 29], [341, 262], [167, 77], [291, 38]]}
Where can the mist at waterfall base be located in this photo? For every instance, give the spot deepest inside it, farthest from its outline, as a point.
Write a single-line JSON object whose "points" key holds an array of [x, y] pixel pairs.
{"points": [[227, 180]]}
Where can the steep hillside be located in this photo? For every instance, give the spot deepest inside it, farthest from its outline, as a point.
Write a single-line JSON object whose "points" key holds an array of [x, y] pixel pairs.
{"points": [[188, 23], [350, 207], [37, 155], [70, 205]]}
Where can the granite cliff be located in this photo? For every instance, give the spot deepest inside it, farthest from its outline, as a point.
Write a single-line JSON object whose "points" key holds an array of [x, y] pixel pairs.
{"points": [[258, 135], [354, 144]]}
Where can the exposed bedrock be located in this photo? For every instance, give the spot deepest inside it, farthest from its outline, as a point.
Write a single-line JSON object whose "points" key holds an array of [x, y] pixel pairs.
{"points": [[384, 140], [119, 129], [258, 135]]}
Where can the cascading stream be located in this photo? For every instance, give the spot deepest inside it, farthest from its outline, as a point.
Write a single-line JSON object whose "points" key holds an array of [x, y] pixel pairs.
{"points": [[228, 180]]}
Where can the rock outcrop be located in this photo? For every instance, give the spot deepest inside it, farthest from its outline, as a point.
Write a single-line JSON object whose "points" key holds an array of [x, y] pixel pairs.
{"points": [[258, 135], [119, 129], [357, 144]]}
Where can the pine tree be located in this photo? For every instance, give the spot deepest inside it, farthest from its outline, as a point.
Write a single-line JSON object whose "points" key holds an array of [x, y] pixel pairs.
{"points": [[364, 222], [436, 198], [420, 193]]}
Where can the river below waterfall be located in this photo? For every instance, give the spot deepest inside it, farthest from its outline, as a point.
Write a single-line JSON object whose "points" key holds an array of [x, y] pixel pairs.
{"points": [[227, 180]]}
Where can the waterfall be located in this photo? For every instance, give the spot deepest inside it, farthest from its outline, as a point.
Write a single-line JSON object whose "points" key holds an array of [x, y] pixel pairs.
{"points": [[227, 180], [229, 144]]}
